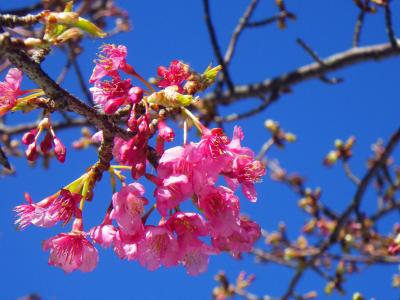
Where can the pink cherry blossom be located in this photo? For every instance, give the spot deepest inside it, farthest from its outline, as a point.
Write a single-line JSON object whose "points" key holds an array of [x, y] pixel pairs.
{"points": [[158, 247], [111, 59], [125, 246], [185, 223], [10, 90], [71, 251], [128, 208], [213, 142], [241, 240], [221, 208], [177, 73], [172, 191], [64, 206], [111, 95], [195, 254], [51, 210], [104, 233]]}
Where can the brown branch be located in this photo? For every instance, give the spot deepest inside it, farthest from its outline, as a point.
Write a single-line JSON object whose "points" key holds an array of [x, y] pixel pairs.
{"points": [[389, 26], [14, 20], [215, 45], [238, 30], [358, 28], [384, 211], [315, 56], [353, 206], [307, 72], [273, 19]]}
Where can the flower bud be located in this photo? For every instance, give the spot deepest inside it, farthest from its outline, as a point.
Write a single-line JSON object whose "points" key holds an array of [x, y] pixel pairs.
{"points": [[331, 158], [271, 125], [290, 137], [31, 152], [59, 149], [29, 137], [45, 145], [136, 94]]}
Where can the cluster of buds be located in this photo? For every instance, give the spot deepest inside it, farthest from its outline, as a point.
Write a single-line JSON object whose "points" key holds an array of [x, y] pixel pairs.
{"points": [[343, 151], [50, 140], [191, 172], [279, 136], [228, 290]]}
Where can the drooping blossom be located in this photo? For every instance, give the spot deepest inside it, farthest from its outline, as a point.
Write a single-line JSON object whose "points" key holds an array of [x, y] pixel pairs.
{"points": [[172, 191], [10, 90], [51, 210], [159, 247], [64, 206], [243, 169], [71, 251], [104, 233], [33, 213], [125, 246], [111, 59], [241, 240], [195, 254], [221, 208], [128, 208], [175, 75], [185, 223], [189, 161]]}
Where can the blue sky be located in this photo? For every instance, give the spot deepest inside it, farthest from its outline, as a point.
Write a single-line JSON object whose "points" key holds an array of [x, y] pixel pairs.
{"points": [[366, 105]]}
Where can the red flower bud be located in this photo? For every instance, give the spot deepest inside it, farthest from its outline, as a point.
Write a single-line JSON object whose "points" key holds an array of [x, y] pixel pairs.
{"points": [[31, 152], [59, 149], [45, 145], [29, 137]]}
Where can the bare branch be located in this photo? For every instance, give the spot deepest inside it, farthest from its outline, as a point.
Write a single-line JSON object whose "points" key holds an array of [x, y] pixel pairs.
{"points": [[215, 45], [315, 70]]}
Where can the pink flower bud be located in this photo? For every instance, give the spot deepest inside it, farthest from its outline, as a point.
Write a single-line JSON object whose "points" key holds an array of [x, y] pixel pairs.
{"points": [[136, 94], [31, 152], [59, 149], [45, 145], [29, 137]]}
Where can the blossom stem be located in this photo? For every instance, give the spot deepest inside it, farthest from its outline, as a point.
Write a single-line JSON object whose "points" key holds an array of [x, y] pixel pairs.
{"points": [[196, 121], [130, 70]]}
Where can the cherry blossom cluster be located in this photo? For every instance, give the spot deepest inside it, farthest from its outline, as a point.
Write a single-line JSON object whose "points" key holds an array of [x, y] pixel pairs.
{"points": [[189, 173]]}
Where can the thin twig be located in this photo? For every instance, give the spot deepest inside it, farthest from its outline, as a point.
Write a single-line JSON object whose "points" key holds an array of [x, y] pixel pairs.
{"points": [[353, 206], [389, 26], [235, 116], [349, 173], [270, 20], [238, 30], [215, 45], [315, 56], [358, 28]]}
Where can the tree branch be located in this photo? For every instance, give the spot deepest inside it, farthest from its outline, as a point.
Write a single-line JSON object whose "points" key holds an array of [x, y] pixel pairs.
{"points": [[315, 70]]}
